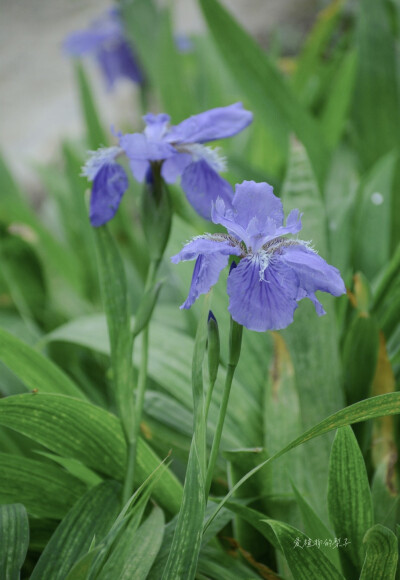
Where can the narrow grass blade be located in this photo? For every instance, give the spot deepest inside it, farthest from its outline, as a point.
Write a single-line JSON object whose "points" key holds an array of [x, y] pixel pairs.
{"points": [[91, 517], [14, 540], [136, 551], [382, 554], [95, 134], [335, 113]]}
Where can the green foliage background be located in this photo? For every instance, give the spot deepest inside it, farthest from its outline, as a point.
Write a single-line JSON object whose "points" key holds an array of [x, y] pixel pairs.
{"points": [[326, 134]]}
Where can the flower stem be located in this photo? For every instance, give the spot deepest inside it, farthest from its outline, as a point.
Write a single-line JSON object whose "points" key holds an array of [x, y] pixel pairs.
{"points": [[235, 345], [139, 398], [220, 425]]}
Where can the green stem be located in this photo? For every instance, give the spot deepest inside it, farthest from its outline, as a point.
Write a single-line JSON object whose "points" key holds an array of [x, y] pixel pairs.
{"points": [[208, 400], [220, 425], [139, 399]]}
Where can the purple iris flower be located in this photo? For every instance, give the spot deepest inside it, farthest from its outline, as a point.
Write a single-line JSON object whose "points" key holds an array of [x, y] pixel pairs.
{"points": [[179, 150], [182, 152], [274, 271], [105, 40]]}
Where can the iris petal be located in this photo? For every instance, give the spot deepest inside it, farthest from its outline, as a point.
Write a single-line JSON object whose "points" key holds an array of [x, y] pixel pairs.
{"points": [[264, 301], [205, 274], [313, 273], [214, 124], [202, 186], [109, 186], [138, 147], [174, 166], [206, 245]]}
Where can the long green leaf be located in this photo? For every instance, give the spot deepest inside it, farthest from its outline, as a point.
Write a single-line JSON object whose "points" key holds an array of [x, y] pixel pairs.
{"points": [[382, 554], [35, 370], [24, 480], [14, 540], [91, 517], [349, 497], [312, 341], [376, 104], [335, 112], [85, 432], [116, 305], [186, 543], [94, 131], [306, 563], [136, 550], [371, 234], [315, 527], [371, 408], [270, 97]]}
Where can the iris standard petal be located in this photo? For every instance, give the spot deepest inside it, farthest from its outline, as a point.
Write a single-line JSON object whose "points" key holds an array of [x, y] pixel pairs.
{"points": [[207, 245], [138, 147], [313, 272], [156, 126], [202, 186], [262, 297], [174, 166], [211, 125], [223, 215], [253, 199], [109, 186], [205, 274]]}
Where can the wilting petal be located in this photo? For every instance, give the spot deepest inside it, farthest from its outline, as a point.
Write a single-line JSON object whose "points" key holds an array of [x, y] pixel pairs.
{"points": [[109, 186], [262, 297], [174, 166], [156, 126], [137, 147], [203, 186], [205, 274], [207, 245], [214, 124], [313, 273]]}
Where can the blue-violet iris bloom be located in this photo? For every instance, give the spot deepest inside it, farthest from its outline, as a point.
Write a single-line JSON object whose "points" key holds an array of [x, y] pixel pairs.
{"points": [[104, 39], [182, 152], [274, 271]]}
